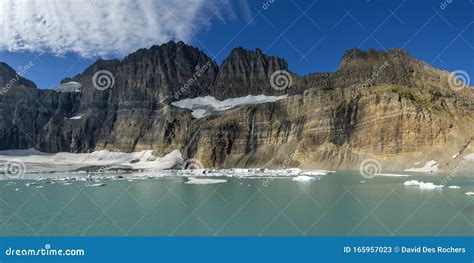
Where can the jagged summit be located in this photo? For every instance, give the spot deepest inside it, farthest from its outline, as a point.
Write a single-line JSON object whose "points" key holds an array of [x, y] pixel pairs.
{"points": [[246, 72], [240, 51], [163, 70], [399, 112]]}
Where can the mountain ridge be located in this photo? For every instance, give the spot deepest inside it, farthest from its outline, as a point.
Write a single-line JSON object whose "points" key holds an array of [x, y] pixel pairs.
{"points": [[381, 104]]}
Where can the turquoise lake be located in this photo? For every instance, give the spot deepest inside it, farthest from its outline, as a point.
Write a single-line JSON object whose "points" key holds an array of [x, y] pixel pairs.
{"points": [[337, 204]]}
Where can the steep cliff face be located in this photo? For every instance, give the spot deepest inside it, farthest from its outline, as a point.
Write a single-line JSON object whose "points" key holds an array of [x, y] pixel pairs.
{"points": [[334, 131], [385, 105], [128, 115], [246, 72], [117, 117]]}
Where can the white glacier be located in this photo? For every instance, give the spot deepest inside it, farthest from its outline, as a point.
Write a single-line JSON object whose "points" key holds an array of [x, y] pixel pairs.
{"points": [[205, 106]]}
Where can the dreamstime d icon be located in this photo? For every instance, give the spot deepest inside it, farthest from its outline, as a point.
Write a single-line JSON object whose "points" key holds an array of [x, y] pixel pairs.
{"points": [[281, 80], [458, 80], [103, 79], [369, 168], [14, 169]]}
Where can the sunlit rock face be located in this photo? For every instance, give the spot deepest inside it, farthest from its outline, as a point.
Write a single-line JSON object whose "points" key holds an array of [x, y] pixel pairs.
{"points": [[384, 105]]}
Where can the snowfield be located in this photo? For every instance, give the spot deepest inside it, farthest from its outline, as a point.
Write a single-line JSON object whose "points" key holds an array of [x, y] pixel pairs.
{"points": [[40, 165], [71, 86], [37, 161], [205, 106], [431, 166]]}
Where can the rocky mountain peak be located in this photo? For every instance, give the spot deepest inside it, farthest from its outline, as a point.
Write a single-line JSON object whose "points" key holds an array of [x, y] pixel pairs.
{"points": [[250, 57], [8, 76], [393, 66], [246, 72], [379, 103], [160, 73]]}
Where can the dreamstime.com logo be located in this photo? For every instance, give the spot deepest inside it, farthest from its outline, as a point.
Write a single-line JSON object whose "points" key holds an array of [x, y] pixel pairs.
{"points": [[200, 70], [369, 168], [45, 251], [458, 80], [103, 79], [21, 71], [14, 169], [108, 163], [281, 80], [370, 81]]}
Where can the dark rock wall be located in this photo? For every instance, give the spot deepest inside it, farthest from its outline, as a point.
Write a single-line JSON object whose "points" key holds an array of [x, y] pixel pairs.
{"points": [[377, 103]]}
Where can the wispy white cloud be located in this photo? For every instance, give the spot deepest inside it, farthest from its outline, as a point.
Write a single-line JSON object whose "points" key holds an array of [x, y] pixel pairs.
{"points": [[100, 27], [246, 11]]}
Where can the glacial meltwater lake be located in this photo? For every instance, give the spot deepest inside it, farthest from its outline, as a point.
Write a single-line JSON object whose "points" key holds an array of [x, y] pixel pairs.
{"points": [[337, 204]]}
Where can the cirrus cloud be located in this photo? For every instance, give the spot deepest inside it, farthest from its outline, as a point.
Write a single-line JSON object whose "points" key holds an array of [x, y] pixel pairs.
{"points": [[100, 27]]}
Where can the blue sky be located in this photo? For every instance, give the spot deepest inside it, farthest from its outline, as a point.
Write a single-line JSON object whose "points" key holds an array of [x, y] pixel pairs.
{"points": [[310, 35]]}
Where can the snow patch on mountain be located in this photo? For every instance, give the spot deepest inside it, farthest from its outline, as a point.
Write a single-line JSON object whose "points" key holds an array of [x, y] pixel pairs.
{"points": [[208, 105]]}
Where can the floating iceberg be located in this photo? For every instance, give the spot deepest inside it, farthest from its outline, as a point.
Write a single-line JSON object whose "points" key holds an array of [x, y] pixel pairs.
{"points": [[106, 165], [95, 185], [422, 185], [194, 180], [393, 175], [255, 172], [303, 178]]}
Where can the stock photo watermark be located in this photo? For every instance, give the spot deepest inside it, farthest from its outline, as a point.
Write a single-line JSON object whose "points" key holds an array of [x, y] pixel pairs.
{"points": [[14, 169], [458, 80], [281, 80], [21, 71], [47, 250], [370, 168], [197, 74], [370, 81], [103, 79]]}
